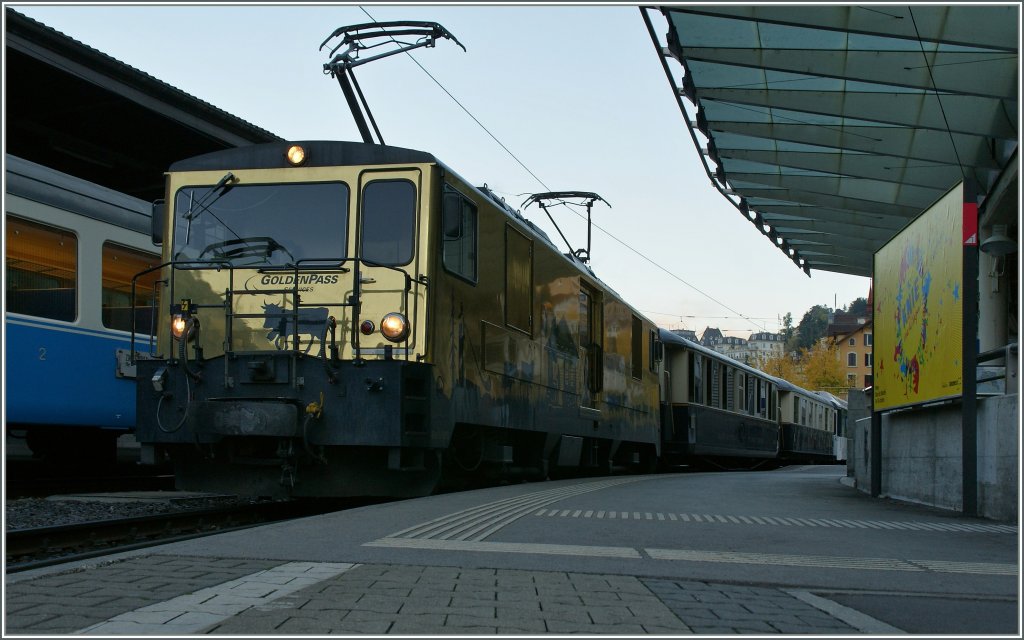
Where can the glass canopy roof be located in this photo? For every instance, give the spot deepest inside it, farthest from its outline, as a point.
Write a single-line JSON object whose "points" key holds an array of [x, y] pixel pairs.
{"points": [[831, 127]]}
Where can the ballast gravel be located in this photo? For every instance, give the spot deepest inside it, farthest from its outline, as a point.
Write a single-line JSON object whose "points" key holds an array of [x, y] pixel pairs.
{"points": [[27, 513]]}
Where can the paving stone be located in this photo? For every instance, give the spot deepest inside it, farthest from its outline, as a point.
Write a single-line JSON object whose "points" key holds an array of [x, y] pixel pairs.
{"points": [[375, 627], [380, 604], [565, 612], [753, 626], [509, 619], [303, 625], [472, 599], [418, 625]]}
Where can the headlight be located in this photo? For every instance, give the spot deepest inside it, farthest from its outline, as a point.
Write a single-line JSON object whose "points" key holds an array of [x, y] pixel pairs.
{"points": [[394, 327], [179, 324], [296, 155]]}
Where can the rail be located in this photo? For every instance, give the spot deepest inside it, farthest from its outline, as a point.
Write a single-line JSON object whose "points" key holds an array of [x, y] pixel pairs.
{"points": [[45, 546], [1009, 367]]}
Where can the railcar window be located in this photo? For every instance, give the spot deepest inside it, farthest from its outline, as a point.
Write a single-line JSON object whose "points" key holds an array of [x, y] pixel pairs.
{"points": [[389, 222], [120, 264], [518, 280], [696, 377], [459, 246], [42, 265], [714, 393], [637, 346], [723, 393], [655, 349], [262, 224]]}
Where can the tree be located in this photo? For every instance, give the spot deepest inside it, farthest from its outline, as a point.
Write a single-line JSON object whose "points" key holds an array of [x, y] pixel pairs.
{"points": [[784, 366], [821, 367], [813, 326], [858, 307], [788, 331]]}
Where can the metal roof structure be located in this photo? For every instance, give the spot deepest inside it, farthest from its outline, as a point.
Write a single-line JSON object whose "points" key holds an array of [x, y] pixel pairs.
{"points": [[832, 127], [75, 109]]}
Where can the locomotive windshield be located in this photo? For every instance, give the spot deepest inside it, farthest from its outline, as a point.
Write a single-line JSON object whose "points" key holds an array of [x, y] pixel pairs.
{"points": [[261, 225]]}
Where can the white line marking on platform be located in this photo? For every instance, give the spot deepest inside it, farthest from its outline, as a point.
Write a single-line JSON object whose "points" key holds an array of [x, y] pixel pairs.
{"points": [[798, 522], [859, 621], [834, 562], [505, 547], [193, 612]]}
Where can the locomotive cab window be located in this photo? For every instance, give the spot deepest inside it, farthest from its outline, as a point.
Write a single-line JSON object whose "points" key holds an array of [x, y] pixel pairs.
{"points": [[261, 225], [388, 222], [120, 264], [42, 267], [459, 236]]}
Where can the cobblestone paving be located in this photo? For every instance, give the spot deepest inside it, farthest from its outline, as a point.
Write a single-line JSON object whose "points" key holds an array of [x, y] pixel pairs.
{"points": [[66, 602], [389, 599], [728, 609], [408, 600]]}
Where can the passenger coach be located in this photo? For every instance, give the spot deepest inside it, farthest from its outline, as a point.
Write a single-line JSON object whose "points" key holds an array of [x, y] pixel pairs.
{"points": [[714, 406], [72, 249]]}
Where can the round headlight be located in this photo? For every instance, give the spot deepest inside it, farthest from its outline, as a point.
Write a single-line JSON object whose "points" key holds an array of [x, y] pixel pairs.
{"points": [[178, 325], [296, 155], [394, 327]]}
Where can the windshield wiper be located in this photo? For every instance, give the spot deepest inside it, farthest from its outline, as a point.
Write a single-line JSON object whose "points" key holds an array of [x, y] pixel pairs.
{"points": [[255, 246], [196, 208]]}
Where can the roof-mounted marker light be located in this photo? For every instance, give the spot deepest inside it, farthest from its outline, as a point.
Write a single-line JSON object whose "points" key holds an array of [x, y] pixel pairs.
{"points": [[296, 155]]}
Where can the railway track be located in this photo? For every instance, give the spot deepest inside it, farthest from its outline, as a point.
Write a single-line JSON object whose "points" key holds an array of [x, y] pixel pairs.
{"points": [[37, 547]]}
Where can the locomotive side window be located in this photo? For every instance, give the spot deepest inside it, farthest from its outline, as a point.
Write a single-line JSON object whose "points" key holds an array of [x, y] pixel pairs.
{"points": [[518, 281], [388, 222], [459, 236], [42, 263], [637, 348], [120, 264]]}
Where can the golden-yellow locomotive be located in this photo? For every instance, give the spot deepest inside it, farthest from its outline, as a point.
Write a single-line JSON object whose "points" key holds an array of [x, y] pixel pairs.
{"points": [[354, 319]]}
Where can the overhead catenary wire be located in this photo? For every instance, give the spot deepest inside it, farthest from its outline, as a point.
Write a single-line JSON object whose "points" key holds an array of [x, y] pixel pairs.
{"points": [[578, 214]]}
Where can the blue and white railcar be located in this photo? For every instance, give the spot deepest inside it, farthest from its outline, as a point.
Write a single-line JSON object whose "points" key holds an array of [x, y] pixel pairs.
{"points": [[72, 249]]}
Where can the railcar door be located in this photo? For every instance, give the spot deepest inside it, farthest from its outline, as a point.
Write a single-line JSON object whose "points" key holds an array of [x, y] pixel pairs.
{"points": [[387, 275], [591, 329]]}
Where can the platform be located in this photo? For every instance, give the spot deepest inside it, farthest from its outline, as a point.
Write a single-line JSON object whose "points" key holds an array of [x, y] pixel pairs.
{"points": [[792, 551]]}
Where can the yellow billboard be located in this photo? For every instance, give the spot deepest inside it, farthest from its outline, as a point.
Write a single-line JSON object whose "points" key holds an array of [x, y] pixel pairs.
{"points": [[918, 308]]}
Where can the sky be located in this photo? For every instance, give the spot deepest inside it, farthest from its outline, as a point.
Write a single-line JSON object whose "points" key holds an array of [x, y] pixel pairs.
{"points": [[576, 95]]}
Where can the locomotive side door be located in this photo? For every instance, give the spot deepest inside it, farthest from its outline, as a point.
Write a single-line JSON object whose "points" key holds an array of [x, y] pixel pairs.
{"points": [[591, 330], [387, 274]]}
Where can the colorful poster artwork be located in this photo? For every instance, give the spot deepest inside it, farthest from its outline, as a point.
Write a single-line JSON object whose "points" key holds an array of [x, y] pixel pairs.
{"points": [[918, 311]]}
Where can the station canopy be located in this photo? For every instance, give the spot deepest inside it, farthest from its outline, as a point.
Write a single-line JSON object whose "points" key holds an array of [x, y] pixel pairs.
{"points": [[831, 127]]}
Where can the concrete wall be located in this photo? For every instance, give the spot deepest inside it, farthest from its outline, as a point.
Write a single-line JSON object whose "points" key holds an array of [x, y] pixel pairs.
{"points": [[922, 462]]}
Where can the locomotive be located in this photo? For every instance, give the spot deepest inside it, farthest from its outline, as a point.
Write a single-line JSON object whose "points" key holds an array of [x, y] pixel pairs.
{"points": [[342, 319]]}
